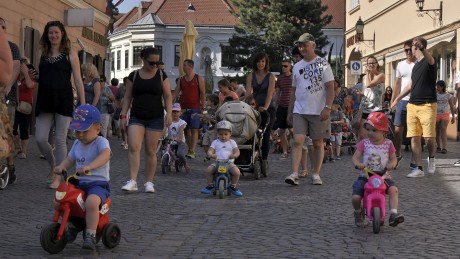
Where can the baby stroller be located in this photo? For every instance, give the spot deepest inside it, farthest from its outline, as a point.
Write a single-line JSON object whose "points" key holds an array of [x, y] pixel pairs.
{"points": [[246, 133]]}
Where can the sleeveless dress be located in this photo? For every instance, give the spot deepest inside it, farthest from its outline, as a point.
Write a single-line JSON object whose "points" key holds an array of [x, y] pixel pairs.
{"points": [[55, 94]]}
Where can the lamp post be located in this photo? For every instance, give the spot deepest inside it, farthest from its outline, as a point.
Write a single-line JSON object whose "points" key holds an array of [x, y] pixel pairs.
{"points": [[436, 12], [359, 27]]}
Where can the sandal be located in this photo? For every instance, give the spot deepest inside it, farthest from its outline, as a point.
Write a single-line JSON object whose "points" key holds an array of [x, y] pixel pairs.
{"points": [[303, 174], [438, 150], [21, 155], [444, 151]]}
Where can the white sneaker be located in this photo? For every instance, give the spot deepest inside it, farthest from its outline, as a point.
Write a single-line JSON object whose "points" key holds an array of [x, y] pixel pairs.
{"points": [[130, 185], [292, 179], [149, 187], [431, 165], [316, 180], [416, 173]]}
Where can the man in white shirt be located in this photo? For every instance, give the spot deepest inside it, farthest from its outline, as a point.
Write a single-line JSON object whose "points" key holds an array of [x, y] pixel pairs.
{"points": [[310, 106], [403, 80]]}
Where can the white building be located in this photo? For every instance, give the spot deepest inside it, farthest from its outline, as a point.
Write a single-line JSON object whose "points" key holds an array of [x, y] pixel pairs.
{"points": [[161, 25]]}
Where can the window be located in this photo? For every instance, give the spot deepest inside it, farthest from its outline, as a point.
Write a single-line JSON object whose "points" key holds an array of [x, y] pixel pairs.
{"points": [[126, 59], [160, 49], [112, 59], [176, 55], [118, 59], [228, 55], [354, 4], [137, 61]]}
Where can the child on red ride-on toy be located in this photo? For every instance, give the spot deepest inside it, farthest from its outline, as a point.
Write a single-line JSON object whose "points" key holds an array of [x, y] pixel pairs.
{"points": [[378, 154], [91, 155]]}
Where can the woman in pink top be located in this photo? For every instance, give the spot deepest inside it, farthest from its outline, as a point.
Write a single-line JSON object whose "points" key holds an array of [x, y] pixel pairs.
{"points": [[225, 90]]}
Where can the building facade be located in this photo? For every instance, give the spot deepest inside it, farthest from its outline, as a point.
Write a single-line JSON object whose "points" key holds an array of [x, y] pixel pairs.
{"points": [[161, 24], [26, 21], [391, 23]]}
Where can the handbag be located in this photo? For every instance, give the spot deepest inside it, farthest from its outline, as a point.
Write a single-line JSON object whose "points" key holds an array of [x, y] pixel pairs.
{"points": [[110, 108], [24, 107], [116, 114]]}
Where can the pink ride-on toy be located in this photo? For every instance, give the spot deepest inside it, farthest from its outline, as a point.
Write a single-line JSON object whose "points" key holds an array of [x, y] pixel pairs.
{"points": [[374, 202], [71, 206]]}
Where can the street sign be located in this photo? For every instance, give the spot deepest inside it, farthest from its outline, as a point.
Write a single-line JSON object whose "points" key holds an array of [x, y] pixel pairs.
{"points": [[355, 67]]}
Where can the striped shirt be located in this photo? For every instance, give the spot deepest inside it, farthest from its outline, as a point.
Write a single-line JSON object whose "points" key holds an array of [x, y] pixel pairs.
{"points": [[284, 84]]}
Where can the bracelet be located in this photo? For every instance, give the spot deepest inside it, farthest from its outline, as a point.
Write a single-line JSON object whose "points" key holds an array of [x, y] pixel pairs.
{"points": [[122, 116]]}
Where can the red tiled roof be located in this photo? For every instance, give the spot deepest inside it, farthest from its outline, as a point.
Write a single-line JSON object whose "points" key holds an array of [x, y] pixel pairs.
{"points": [[208, 12], [337, 10]]}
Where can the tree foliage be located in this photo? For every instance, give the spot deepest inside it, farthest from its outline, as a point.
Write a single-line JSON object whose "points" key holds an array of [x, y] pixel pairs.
{"points": [[272, 26]]}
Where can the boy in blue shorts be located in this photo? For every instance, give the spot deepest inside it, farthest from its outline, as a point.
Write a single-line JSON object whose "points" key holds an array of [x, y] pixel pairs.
{"points": [[90, 154]]}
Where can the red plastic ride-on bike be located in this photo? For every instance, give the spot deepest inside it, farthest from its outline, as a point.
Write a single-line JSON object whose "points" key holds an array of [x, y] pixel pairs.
{"points": [[71, 206]]}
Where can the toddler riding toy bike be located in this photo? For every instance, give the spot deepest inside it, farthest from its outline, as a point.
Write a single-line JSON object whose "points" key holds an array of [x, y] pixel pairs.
{"points": [[374, 202], [222, 179], [169, 158], [71, 207]]}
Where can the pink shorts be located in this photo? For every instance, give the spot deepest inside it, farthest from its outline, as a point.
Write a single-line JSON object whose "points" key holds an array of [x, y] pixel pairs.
{"points": [[444, 116]]}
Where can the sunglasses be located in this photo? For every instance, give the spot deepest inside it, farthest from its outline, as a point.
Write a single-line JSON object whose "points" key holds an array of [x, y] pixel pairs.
{"points": [[371, 63], [407, 50], [153, 63], [285, 66]]}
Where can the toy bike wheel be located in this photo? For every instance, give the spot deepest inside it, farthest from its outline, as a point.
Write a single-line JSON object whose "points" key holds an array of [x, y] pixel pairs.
{"points": [[4, 177], [48, 239], [221, 189], [257, 170], [376, 213], [111, 235], [165, 164]]}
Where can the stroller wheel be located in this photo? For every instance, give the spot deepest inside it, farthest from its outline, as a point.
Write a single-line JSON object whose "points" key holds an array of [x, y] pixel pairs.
{"points": [[257, 170], [264, 168]]}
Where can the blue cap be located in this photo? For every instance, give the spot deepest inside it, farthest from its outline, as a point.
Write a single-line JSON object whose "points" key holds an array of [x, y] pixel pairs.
{"points": [[84, 116]]}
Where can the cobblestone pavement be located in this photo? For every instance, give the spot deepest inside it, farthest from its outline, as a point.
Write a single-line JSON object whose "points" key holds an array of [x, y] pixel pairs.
{"points": [[272, 220]]}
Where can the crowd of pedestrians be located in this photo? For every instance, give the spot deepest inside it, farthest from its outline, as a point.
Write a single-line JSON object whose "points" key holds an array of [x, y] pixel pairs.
{"points": [[306, 106]]}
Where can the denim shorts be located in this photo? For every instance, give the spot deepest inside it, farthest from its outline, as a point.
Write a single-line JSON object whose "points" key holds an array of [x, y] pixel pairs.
{"points": [[99, 188], [192, 123], [358, 185], [156, 124], [401, 113]]}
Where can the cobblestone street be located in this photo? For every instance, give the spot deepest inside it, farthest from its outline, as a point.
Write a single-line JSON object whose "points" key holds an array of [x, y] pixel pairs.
{"points": [[272, 220]]}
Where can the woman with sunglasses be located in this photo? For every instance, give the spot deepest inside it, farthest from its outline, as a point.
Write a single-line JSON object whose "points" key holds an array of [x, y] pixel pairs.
{"points": [[374, 86], [55, 98], [149, 94], [261, 85]]}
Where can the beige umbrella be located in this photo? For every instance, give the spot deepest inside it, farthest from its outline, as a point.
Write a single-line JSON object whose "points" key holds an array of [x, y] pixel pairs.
{"points": [[187, 45]]}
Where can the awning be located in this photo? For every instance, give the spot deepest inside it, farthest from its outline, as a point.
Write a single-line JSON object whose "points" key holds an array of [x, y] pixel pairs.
{"points": [[399, 54]]}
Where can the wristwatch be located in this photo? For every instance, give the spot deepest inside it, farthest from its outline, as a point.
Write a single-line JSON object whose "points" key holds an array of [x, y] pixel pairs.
{"points": [[327, 107]]}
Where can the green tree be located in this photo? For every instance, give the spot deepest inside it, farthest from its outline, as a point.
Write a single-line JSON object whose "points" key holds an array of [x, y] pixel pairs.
{"points": [[272, 26]]}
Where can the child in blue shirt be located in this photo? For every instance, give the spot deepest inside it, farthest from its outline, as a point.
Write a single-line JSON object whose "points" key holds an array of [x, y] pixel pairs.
{"points": [[90, 154]]}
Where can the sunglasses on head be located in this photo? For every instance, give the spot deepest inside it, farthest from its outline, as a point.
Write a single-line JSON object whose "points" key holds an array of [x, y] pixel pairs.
{"points": [[54, 23]]}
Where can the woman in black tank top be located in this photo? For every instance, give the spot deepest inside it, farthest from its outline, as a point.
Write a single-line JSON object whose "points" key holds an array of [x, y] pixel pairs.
{"points": [[55, 99], [261, 85]]}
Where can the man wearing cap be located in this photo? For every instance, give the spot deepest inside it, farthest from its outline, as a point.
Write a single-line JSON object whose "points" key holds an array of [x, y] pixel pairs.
{"points": [[310, 106]]}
